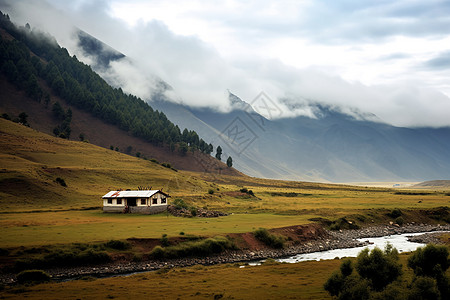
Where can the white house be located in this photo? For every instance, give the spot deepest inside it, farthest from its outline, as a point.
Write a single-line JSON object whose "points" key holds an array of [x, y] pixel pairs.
{"points": [[144, 202]]}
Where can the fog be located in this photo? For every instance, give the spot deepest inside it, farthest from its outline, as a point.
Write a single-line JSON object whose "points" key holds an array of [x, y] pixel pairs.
{"points": [[201, 71]]}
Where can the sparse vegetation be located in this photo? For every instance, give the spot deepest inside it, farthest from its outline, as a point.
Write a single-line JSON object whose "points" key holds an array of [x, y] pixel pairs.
{"points": [[193, 248], [247, 191], [271, 240], [118, 245], [61, 181], [32, 276], [343, 223], [395, 213]]}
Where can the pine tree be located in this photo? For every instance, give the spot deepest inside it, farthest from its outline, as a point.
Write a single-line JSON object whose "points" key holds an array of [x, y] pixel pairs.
{"points": [[229, 162], [219, 153]]}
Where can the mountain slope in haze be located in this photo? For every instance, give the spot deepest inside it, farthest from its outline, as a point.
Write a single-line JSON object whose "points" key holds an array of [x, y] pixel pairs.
{"points": [[35, 81], [334, 147]]}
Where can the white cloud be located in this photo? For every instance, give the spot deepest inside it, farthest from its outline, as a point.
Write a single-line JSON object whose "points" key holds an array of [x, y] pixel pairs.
{"points": [[379, 57]]}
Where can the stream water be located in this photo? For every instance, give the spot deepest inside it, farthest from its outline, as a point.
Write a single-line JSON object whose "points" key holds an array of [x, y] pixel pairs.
{"points": [[399, 241]]}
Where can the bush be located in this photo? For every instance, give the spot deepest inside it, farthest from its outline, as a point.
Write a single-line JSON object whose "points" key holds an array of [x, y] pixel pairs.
{"points": [[30, 276], [375, 271], [269, 239], [424, 288], [193, 248], [166, 165], [211, 191], [380, 268], [80, 255], [179, 203], [247, 191], [395, 213], [400, 221], [118, 245], [61, 181], [429, 261], [193, 211], [343, 223], [164, 240]]}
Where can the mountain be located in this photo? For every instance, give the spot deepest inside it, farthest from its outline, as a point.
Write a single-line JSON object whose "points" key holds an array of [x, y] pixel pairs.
{"points": [[58, 94], [333, 147]]}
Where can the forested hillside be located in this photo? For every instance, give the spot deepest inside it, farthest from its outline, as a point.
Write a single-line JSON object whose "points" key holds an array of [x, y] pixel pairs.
{"points": [[81, 87]]}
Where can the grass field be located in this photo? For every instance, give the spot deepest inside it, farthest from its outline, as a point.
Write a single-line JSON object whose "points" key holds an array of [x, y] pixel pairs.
{"points": [[44, 228], [35, 210], [231, 281]]}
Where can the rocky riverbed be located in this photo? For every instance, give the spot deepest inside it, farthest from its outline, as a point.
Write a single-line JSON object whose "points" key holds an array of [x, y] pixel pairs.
{"points": [[332, 240]]}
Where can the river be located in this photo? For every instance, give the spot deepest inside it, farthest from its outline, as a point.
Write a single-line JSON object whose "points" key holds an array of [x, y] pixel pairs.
{"points": [[398, 241]]}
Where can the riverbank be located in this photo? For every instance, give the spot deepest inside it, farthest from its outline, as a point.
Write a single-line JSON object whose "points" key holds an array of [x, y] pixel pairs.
{"points": [[323, 241]]}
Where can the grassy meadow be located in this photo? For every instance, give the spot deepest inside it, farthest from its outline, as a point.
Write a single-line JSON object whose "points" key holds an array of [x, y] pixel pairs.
{"points": [[36, 210], [271, 280]]}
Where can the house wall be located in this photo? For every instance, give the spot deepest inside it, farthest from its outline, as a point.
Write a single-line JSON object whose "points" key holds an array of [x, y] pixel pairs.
{"points": [[147, 210]]}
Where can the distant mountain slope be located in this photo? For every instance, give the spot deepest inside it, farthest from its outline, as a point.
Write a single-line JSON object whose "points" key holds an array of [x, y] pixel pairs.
{"points": [[443, 184], [335, 147]]}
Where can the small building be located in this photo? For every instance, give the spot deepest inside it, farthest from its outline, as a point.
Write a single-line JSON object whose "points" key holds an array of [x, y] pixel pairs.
{"points": [[143, 202]]}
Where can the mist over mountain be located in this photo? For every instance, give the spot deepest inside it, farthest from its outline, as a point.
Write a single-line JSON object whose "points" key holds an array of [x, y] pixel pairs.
{"points": [[326, 143]]}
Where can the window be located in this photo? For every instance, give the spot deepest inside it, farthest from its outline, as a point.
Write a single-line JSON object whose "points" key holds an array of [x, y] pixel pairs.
{"points": [[155, 201], [109, 201], [143, 202], [119, 201], [163, 200]]}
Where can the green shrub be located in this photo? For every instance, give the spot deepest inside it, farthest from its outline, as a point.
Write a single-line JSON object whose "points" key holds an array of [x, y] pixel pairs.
{"points": [[211, 191], [343, 223], [193, 211], [395, 213], [247, 191], [64, 258], [164, 240], [30, 276], [179, 203], [118, 245], [193, 248], [61, 181], [166, 165], [400, 221], [269, 239]]}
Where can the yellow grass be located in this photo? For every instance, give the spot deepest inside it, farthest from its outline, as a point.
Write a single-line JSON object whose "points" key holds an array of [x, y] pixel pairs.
{"points": [[31, 161], [45, 228], [280, 281]]}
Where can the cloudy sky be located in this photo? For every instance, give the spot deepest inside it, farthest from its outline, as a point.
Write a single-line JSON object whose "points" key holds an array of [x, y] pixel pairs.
{"points": [[389, 58]]}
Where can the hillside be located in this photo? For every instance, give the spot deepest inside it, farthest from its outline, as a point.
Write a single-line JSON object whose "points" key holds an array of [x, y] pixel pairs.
{"points": [[433, 184], [31, 162], [105, 116]]}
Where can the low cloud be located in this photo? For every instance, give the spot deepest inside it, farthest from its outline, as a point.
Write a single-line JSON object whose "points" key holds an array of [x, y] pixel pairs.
{"points": [[200, 75]]}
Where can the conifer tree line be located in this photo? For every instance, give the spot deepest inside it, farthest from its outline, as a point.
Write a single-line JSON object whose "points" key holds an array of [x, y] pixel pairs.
{"points": [[81, 87]]}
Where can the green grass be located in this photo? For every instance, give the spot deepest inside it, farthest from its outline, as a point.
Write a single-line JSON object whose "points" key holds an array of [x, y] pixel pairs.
{"points": [[31, 229]]}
